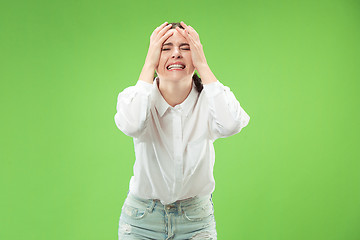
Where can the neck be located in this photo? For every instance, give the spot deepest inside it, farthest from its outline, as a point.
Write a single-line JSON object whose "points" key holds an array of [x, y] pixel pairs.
{"points": [[175, 93]]}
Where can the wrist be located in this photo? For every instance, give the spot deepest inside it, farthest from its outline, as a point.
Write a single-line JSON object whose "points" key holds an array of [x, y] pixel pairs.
{"points": [[206, 74], [149, 66], [147, 73], [202, 67]]}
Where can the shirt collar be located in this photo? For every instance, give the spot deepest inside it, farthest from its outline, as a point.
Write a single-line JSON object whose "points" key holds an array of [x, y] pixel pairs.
{"points": [[186, 106]]}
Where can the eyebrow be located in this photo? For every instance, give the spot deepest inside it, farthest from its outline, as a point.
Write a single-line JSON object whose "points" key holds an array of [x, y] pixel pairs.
{"points": [[171, 44]]}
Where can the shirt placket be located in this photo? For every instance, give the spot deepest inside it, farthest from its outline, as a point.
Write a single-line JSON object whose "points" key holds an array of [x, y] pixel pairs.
{"points": [[178, 156]]}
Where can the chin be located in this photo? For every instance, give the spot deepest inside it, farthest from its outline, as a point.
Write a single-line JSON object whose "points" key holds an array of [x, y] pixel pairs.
{"points": [[175, 77], [176, 74]]}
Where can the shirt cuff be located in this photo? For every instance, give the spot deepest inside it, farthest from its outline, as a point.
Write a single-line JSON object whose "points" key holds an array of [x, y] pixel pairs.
{"points": [[213, 89], [144, 87]]}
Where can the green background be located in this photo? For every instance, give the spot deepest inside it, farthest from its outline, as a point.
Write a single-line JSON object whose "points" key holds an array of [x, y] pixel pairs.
{"points": [[292, 173]]}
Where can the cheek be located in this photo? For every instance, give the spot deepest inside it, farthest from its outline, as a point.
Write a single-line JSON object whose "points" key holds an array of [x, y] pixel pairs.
{"points": [[189, 60], [162, 58], [188, 56]]}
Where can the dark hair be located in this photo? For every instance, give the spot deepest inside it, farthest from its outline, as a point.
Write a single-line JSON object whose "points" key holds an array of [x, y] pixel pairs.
{"points": [[196, 79]]}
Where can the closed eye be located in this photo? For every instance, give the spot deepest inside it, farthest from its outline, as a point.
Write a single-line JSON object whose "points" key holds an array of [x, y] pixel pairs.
{"points": [[167, 49]]}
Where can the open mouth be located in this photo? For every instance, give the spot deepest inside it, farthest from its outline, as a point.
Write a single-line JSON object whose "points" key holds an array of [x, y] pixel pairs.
{"points": [[175, 67]]}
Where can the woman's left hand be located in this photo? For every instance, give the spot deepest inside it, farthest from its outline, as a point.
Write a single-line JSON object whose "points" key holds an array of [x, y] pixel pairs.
{"points": [[197, 53]]}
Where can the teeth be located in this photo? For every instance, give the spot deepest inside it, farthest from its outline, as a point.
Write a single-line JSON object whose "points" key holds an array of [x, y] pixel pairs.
{"points": [[176, 66]]}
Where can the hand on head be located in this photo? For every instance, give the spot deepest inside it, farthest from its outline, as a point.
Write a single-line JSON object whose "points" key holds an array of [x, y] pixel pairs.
{"points": [[197, 53], [192, 57], [162, 33], [157, 38]]}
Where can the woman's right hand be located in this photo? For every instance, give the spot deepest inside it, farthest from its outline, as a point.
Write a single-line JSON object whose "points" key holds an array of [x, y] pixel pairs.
{"points": [[157, 38]]}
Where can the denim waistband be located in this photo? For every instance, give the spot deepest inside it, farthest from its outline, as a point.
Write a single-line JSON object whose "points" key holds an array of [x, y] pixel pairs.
{"points": [[179, 203]]}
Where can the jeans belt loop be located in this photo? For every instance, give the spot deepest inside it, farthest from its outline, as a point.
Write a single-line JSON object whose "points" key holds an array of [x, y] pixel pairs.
{"points": [[152, 206], [179, 209]]}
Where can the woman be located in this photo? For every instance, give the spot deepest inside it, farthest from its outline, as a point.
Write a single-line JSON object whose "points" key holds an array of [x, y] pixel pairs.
{"points": [[174, 120]]}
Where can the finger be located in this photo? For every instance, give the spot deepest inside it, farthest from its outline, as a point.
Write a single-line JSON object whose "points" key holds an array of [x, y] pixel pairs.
{"points": [[186, 27], [165, 29], [181, 31], [183, 24], [163, 25], [192, 30], [155, 32], [185, 34], [166, 36], [160, 32], [191, 39], [160, 27]]}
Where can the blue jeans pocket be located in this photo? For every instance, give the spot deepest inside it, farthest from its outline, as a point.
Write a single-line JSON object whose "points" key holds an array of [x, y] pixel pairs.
{"points": [[199, 212], [135, 212]]}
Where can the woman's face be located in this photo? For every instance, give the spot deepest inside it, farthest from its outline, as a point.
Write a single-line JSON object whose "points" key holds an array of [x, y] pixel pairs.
{"points": [[175, 59]]}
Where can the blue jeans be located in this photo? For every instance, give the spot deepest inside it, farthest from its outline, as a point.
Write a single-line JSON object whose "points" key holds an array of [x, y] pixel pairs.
{"points": [[192, 218]]}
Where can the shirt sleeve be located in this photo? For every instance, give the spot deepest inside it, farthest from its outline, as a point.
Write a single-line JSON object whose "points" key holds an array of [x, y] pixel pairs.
{"points": [[227, 117], [133, 109]]}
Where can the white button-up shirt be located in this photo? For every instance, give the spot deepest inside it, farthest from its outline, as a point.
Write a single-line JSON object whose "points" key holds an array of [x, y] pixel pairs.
{"points": [[174, 145]]}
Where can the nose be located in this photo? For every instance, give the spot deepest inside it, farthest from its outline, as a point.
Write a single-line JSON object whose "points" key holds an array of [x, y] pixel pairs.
{"points": [[176, 53]]}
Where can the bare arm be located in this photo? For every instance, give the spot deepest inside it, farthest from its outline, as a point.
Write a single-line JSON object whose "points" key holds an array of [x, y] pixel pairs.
{"points": [[197, 54], [157, 38]]}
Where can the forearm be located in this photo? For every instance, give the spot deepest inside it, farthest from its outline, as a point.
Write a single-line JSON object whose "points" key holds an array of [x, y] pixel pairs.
{"points": [[206, 74], [147, 73]]}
